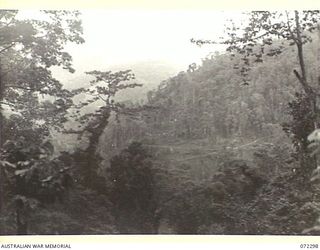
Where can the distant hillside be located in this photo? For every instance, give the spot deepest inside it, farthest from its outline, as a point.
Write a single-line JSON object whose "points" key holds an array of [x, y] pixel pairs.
{"points": [[148, 73]]}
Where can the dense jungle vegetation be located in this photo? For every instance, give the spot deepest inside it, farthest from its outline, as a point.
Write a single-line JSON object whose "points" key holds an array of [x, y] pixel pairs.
{"points": [[226, 147]]}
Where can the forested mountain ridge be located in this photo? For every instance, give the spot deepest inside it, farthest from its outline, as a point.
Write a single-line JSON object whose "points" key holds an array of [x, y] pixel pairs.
{"points": [[206, 120], [209, 103]]}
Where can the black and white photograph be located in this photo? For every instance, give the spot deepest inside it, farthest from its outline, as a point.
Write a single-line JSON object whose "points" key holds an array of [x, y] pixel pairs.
{"points": [[159, 122]]}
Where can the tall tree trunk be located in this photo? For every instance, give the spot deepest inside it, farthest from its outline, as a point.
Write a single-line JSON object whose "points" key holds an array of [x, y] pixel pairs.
{"points": [[303, 76], [93, 147], [311, 163]]}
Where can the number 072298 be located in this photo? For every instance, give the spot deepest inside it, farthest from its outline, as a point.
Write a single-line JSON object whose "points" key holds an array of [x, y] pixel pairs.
{"points": [[309, 246]]}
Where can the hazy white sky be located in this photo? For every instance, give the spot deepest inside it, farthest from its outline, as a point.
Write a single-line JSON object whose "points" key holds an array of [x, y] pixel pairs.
{"points": [[120, 37], [124, 36]]}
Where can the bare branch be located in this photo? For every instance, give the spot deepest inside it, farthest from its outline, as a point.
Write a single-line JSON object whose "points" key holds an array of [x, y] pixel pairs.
{"points": [[7, 103], [19, 87], [105, 100], [6, 48]]}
